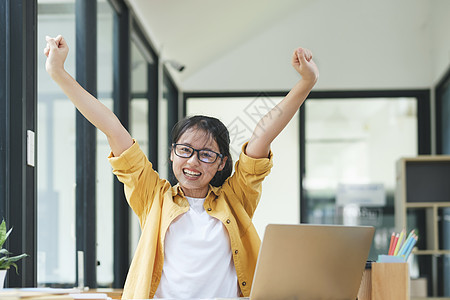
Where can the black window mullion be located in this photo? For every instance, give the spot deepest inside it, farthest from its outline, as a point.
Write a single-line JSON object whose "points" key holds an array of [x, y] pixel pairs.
{"points": [[185, 99], [122, 92], [423, 122], [172, 108], [152, 95], [29, 236], [172, 105], [302, 139], [442, 114], [4, 115], [16, 137], [86, 142]]}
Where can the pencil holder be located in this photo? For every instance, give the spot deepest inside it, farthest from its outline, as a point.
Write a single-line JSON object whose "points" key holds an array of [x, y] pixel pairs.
{"points": [[385, 281], [365, 289], [390, 281]]}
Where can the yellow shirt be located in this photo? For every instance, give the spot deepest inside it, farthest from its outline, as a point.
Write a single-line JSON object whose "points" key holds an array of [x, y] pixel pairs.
{"points": [[157, 204]]}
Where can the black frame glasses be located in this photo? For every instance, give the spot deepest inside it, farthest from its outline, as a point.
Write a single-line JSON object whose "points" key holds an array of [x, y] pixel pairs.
{"points": [[203, 155]]}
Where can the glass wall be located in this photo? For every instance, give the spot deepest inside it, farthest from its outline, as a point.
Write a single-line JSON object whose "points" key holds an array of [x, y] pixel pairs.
{"points": [[241, 115], [55, 154], [104, 187], [352, 146], [138, 119]]}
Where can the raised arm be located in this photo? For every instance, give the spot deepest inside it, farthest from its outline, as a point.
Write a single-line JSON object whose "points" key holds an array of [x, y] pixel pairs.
{"points": [[270, 126], [93, 110]]}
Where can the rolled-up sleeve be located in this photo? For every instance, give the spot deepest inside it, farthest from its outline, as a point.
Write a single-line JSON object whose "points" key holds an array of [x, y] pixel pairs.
{"points": [[135, 171], [248, 177]]}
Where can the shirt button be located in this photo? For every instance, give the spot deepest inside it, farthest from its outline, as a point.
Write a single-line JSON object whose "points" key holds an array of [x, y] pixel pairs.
{"points": [[228, 221], [244, 283], [209, 209], [236, 252]]}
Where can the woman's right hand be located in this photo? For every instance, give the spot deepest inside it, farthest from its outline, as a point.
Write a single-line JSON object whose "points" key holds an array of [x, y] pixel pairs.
{"points": [[56, 52], [302, 61]]}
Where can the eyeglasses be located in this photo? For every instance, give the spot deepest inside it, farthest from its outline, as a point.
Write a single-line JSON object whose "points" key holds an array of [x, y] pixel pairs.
{"points": [[206, 156]]}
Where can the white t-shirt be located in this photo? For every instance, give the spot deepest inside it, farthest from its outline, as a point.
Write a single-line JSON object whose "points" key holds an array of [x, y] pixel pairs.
{"points": [[198, 261]]}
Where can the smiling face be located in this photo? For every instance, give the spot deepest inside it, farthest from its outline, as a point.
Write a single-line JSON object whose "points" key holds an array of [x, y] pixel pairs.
{"points": [[192, 174]]}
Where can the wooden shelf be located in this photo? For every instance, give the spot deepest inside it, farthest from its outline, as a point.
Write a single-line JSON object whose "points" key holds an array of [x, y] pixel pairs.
{"points": [[421, 195], [431, 252], [427, 204], [422, 175], [429, 298]]}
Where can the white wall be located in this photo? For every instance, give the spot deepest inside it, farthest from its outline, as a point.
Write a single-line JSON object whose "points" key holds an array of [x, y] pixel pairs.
{"points": [[357, 44]]}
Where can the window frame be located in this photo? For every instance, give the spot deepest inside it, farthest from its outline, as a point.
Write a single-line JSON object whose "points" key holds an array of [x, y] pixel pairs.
{"points": [[18, 188], [440, 88]]}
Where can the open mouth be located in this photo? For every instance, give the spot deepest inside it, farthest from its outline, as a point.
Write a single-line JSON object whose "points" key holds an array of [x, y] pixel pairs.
{"points": [[191, 173]]}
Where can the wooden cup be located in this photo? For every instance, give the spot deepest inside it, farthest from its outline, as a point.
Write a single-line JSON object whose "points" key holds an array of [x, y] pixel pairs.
{"points": [[390, 281]]}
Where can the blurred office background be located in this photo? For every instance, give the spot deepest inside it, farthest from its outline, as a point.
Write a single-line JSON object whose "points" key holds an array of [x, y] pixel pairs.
{"points": [[383, 94]]}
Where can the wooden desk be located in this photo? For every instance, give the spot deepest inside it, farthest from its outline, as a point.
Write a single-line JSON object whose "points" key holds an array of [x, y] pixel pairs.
{"points": [[112, 293]]}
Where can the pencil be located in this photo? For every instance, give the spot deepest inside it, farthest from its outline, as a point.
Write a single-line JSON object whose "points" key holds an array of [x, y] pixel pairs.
{"points": [[391, 243], [411, 234], [405, 246], [400, 241], [411, 246], [394, 244]]}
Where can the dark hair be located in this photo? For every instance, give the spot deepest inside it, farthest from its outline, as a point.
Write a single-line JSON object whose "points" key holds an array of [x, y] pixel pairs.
{"points": [[216, 130]]}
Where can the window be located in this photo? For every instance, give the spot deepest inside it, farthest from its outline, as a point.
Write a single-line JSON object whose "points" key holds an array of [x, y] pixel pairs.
{"points": [[55, 155], [351, 149], [104, 187]]}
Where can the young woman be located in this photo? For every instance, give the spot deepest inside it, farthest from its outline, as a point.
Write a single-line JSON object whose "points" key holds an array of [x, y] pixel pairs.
{"points": [[197, 240]]}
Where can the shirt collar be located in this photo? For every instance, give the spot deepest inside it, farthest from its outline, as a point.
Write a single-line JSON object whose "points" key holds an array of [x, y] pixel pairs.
{"points": [[176, 190]]}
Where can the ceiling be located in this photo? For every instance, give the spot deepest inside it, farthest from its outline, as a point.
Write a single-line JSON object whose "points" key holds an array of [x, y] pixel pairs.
{"points": [[197, 32], [246, 44]]}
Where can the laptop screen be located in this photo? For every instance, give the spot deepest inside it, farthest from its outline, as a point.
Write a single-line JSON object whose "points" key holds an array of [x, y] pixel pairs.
{"points": [[306, 261]]}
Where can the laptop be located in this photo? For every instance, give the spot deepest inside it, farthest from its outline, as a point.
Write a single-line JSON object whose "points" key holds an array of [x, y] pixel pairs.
{"points": [[311, 262]]}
